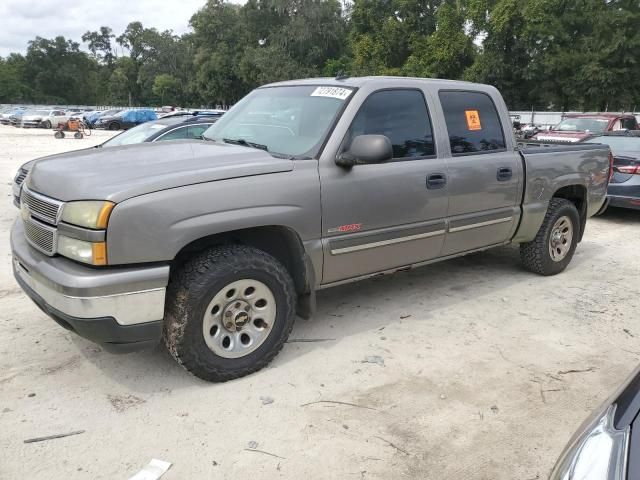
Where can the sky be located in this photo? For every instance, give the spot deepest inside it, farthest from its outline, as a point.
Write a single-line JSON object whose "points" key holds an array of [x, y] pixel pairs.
{"points": [[23, 20]]}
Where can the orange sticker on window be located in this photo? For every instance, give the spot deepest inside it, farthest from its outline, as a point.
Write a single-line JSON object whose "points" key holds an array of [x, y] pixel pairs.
{"points": [[473, 120]]}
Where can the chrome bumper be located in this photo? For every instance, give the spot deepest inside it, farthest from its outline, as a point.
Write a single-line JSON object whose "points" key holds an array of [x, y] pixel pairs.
{"points": [[128, 295]]}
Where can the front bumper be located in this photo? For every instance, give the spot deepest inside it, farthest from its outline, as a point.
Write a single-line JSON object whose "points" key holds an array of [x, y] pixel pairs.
{"points": [[30, 123], [117, 306]]}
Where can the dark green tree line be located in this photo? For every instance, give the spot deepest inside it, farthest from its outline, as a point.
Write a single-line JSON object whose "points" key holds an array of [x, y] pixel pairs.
{"points": [[558, 54]]}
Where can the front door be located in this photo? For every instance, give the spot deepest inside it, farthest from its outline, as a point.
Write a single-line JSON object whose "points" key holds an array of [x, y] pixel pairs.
{"points": [[383, 216], [483, 173]]}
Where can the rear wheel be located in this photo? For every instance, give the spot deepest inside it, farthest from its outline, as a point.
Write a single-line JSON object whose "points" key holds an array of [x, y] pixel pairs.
{"points": [[46, 124], [114, 126], [553, 248], [77, 135], [229, 311]]}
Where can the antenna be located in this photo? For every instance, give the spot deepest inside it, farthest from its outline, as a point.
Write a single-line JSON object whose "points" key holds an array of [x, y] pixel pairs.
{"points": [[341, 75]]}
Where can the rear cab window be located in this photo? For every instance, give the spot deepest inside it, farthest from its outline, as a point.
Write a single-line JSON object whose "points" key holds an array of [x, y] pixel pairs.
{"points": [[629, 123], [472, 122]]}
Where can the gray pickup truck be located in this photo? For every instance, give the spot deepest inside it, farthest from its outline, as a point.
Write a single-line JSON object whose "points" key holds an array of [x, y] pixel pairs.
{"points": [[217, 244]]}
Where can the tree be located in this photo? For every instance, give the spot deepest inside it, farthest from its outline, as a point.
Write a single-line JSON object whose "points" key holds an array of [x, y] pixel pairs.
{"points": [[99, 44], [12, 88], [167, 88]]}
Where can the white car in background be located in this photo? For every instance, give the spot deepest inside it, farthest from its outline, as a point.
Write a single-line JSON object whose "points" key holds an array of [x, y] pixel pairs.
{"points": [[43, 118]]}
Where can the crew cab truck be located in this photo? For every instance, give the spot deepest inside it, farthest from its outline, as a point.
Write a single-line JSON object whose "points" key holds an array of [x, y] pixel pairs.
{"points": [[217, 244]]}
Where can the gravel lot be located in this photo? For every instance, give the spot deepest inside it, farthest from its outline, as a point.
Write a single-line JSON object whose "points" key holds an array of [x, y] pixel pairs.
{"points": [[468, 369]]}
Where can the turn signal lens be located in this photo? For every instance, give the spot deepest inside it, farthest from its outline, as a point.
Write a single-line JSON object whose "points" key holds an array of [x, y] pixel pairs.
{"points": [[82, 251]]}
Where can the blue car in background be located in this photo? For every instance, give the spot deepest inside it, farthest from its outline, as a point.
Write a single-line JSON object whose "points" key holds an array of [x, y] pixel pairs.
{"points": [[126, 119], [92, 117]]}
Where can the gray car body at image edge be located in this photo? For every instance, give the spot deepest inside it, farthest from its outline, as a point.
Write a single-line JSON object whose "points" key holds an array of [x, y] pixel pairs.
{"points": [[325, 223]]}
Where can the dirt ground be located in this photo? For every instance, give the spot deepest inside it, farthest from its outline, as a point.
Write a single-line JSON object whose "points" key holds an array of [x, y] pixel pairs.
{"points": [[468, 369]]}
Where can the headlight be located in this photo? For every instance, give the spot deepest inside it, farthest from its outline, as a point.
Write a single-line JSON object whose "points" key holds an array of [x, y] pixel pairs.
{"points": [[89, 214], [598, 452], [86, 252]]}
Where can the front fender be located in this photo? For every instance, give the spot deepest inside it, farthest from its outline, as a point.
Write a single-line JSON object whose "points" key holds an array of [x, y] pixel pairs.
{"points": [[156, 226]]}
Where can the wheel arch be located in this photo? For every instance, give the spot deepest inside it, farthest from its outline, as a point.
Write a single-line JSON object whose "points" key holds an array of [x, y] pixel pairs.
{"points": [[282, 242], [576, 194]]}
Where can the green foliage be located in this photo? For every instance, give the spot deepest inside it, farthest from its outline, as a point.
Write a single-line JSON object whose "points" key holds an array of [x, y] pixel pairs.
{"points": [[561, 54], [167, 87]]}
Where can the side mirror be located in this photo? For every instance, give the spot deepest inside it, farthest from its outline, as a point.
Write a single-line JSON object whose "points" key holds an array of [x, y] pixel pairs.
{"points": [[365, 149]]}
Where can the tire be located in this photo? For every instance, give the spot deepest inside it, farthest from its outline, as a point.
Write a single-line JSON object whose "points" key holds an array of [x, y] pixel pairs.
{"points": [[558, 236], [46, 124], [59, 134], [114, 126], [198, 304], [77, 135]]}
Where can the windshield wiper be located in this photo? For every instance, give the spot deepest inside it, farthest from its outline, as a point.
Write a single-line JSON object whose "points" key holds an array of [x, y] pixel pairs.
{"points": [[244, 143]]}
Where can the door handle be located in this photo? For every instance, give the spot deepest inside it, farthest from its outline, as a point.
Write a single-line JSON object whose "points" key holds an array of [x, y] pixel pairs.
{"points": [[436, 180], [504, 174]]}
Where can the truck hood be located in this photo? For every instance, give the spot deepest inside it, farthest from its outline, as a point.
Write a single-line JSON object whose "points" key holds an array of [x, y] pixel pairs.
{"points": [[564, 136], [119, 173]]}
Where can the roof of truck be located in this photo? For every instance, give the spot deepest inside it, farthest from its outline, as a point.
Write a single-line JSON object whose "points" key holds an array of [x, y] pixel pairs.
{"points": [[360, 81]]}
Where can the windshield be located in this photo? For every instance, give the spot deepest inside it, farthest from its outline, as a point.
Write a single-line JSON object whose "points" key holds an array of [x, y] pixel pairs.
{"points": [[582, 125], [618, 144], [135, 135], [291, 121]]}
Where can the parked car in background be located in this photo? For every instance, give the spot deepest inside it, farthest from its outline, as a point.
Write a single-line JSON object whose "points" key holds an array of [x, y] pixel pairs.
{"points": [[302, 185], [577, 127], [91, 118], [43, 118], [16, 117], [174, 128], [607, 444], [183, 113], [5, 117], [125, 119], [624, 187]]}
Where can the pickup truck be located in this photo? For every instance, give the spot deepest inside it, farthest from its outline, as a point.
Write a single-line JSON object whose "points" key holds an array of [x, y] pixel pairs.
{"points": [[216, 245], [576, 127]]}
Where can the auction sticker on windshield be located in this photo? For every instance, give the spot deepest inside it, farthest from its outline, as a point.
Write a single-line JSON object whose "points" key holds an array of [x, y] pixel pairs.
{"points": [[332, 92]]}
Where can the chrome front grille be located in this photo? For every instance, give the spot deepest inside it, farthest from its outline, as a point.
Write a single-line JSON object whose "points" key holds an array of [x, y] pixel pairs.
{"points": [[22, 174], [41, 236], [41, 207]]}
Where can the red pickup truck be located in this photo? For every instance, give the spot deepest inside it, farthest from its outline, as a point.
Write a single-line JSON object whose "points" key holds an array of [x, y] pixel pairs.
{"points": [[577, 127]]}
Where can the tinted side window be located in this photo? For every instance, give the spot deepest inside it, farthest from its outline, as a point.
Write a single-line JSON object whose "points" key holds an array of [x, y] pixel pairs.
{"points": [[196, 131], [472, 122], [402, 116], [176, 134], [629, 123]]}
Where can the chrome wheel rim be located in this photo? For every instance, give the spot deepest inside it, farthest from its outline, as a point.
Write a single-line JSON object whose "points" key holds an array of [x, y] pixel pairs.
{"points": [[560, 239], [239, 318]]}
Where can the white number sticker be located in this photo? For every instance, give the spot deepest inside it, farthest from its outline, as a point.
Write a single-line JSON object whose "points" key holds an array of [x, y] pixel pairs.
{"points": [[332, 92]]}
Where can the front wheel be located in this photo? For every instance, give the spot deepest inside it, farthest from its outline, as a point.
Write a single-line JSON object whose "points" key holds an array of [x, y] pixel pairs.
{"points": [[229, 311], [114, 126], [556, 241]]}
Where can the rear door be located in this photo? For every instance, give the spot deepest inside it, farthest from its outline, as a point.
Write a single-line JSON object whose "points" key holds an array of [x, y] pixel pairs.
{"points": [[484, 173], [383, 216]]}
